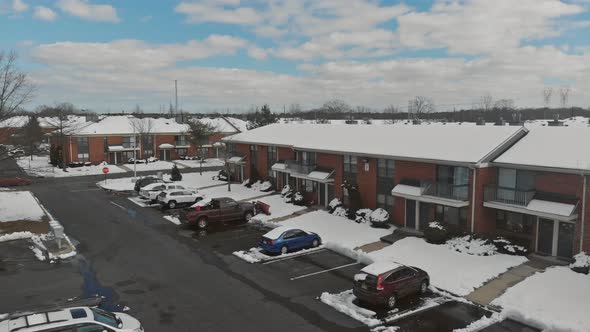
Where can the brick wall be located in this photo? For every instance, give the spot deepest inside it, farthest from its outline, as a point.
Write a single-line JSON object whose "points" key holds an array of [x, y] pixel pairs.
{"points": [[367, 181], [414, 170], [485, 218], [285, 153], [332, 161]]}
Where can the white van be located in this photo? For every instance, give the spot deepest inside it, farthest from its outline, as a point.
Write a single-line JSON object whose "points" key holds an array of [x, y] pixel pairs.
{"points": [[77, 319]]}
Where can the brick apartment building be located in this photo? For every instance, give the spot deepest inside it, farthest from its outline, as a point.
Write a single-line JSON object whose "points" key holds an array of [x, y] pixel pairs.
{"points": [[475, 178], [12, 126], [116, 139]]}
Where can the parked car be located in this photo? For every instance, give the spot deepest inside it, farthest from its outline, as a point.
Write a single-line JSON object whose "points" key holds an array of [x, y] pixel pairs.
{"points": [[176, 197], [152, 190], [217, 210], [77, 319], [142, 182], [384, 283], [16, 152], [281, 240], [10, 182]]}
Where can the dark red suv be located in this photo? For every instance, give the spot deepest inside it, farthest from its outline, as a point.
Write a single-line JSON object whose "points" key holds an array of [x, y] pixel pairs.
{"points": [[383, 283]]}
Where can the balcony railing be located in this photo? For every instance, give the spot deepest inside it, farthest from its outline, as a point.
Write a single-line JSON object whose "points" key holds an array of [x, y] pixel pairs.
{"points": [[300, 167], [508, 195], [450, 191]]}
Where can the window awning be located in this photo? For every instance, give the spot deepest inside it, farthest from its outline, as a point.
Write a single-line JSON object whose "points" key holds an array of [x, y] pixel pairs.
{"points": [[165, 146], [540, 208], [119, 148], [417, 194], [280, 167], [236, 160], [319, 175]]}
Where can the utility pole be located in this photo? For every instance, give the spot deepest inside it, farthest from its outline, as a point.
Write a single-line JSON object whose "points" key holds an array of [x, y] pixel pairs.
{"points": [[176, 96]]}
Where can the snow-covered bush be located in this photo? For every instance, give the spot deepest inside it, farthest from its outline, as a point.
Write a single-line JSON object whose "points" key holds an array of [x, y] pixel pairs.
{"points": [[340, 212], [504, 246], [298, 199], [472, 245], [436, 233], [362, 215], [581, 263], [379, 217], [175, 174], [221, 175], [265, 186], [286, 190], [334, 204], [246, 183]]}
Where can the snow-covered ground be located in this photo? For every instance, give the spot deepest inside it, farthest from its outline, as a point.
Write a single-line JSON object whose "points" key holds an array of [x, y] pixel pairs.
{"points": [[555, 300], [196, 164], [153, 166], [453, 271], [19, 205], [278, 208], [336, 231], [255, 255], [40, 166], [238, 192], [191, 180]]}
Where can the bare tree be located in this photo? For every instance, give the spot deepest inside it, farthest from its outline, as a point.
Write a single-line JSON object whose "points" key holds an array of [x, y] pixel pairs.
{"points": [[198, 135], [65, 126], [547, 93], [419, 106], [31, 135], [563, 96], [486, 102], [15, 88], [336, 106], [142, 128], [294, 108]]}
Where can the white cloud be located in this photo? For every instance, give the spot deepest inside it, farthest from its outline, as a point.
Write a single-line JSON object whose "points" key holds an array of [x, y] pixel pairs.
{"points": [[26, 43], [87, 11], [257, 53], [214, 11], [19, 6], [44, 13]]}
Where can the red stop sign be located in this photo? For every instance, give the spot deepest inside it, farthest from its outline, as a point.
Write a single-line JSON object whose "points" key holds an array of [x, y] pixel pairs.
{"points": [[105, 170]]}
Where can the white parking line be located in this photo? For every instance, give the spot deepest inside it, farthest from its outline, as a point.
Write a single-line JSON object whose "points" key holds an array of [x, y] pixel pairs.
{"points": [[120, 206], [80, 190], [270, 261], [324, 271]]}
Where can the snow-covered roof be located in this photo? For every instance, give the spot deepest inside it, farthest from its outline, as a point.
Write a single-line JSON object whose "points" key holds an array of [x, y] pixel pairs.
{"points": [[279, 167], [165, 146], [319, 175], [20, 121], [561, 209], [551, 147], [456, 143], [225, 124], [380, 267], [124, 124], [404, 189]]}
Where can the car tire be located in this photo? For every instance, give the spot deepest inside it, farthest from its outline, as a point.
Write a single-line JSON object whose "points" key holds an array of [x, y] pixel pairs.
{"points": [[392, 301], [423, 286], [284, 250], [171, 204], [315, 243], [248, 215], [202, 223]]}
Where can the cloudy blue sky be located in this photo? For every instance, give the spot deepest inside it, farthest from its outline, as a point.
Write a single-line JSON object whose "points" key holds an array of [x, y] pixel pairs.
{"points": [[231, 54]]}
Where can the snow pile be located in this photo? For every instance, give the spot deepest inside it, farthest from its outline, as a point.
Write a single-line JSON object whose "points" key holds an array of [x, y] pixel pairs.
{"points": [[385, 329], [335, 203], [40, 166], [472, 246], [336, 230], [581, 260], [379, 215], [256, 255], [506, 247], [362, 215], [189, 180], [15, 236], [20, 205], [340, 212], [173, 219], [237, 192], [436, 224], [278, 208], [557, 299], [262, 186], [481, 323], [286, 190], [343, 303], [443, 264]]}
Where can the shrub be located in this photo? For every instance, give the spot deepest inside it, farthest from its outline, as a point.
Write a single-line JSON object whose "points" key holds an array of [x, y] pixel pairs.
{"points": [[340, 212], [175, 174], [335, 203], [262, 186], [298, 199], [221, 175], [379, 217], [581, 263], [286, 190], [436, 233], [472, 245], [362, 215], [504, 246]]}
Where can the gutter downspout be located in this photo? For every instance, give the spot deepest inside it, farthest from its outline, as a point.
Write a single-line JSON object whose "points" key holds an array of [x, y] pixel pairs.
{"points": [[71, 156], [473, 200], [583, 215]]}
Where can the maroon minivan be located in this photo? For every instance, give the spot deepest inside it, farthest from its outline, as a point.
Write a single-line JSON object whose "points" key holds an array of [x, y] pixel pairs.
{"points": [[383, 283]]}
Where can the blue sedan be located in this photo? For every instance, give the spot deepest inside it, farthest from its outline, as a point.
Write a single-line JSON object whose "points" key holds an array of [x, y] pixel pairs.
{"points": [[280, 240]]}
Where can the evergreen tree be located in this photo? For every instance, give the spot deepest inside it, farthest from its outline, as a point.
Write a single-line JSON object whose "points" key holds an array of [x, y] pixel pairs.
{"points": [[261, 117], [175, 174]]}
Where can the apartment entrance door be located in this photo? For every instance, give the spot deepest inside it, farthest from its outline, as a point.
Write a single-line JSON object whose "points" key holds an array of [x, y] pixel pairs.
{"points": [[411, 213]]}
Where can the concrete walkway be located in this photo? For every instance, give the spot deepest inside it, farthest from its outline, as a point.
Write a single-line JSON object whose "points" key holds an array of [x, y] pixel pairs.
{"points": [[496, 287], [293, 215]]}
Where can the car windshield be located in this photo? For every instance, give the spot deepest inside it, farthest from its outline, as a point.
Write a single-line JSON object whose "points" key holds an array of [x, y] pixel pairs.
{"points": [[104, 317]]}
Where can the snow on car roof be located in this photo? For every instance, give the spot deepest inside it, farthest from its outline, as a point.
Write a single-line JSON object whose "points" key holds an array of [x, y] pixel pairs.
{"points": [[276, 232], [380, 267], [434, 142]]}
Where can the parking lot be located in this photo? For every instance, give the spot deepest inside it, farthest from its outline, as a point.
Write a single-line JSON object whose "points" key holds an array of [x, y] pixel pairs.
{"points": [[173, 277]]}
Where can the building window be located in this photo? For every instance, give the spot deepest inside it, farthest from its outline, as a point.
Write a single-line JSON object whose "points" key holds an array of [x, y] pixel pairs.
{"points": [[106, 144], [83, 149], [182, 152], [453, 175], [309, 186], [231, 148], [126, 155], [147, 144], [385, 168], [272, 158], [253, 155], [129, 142], [350, 168], [516, 179], [451, 215], [514, 222], [385, 201], [204, 152], [182, 141], [307, 158]]}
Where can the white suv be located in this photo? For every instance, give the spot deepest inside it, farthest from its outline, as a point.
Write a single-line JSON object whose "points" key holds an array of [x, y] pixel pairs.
{"points": [[176, 197], [78, 319], [151, 191]]}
